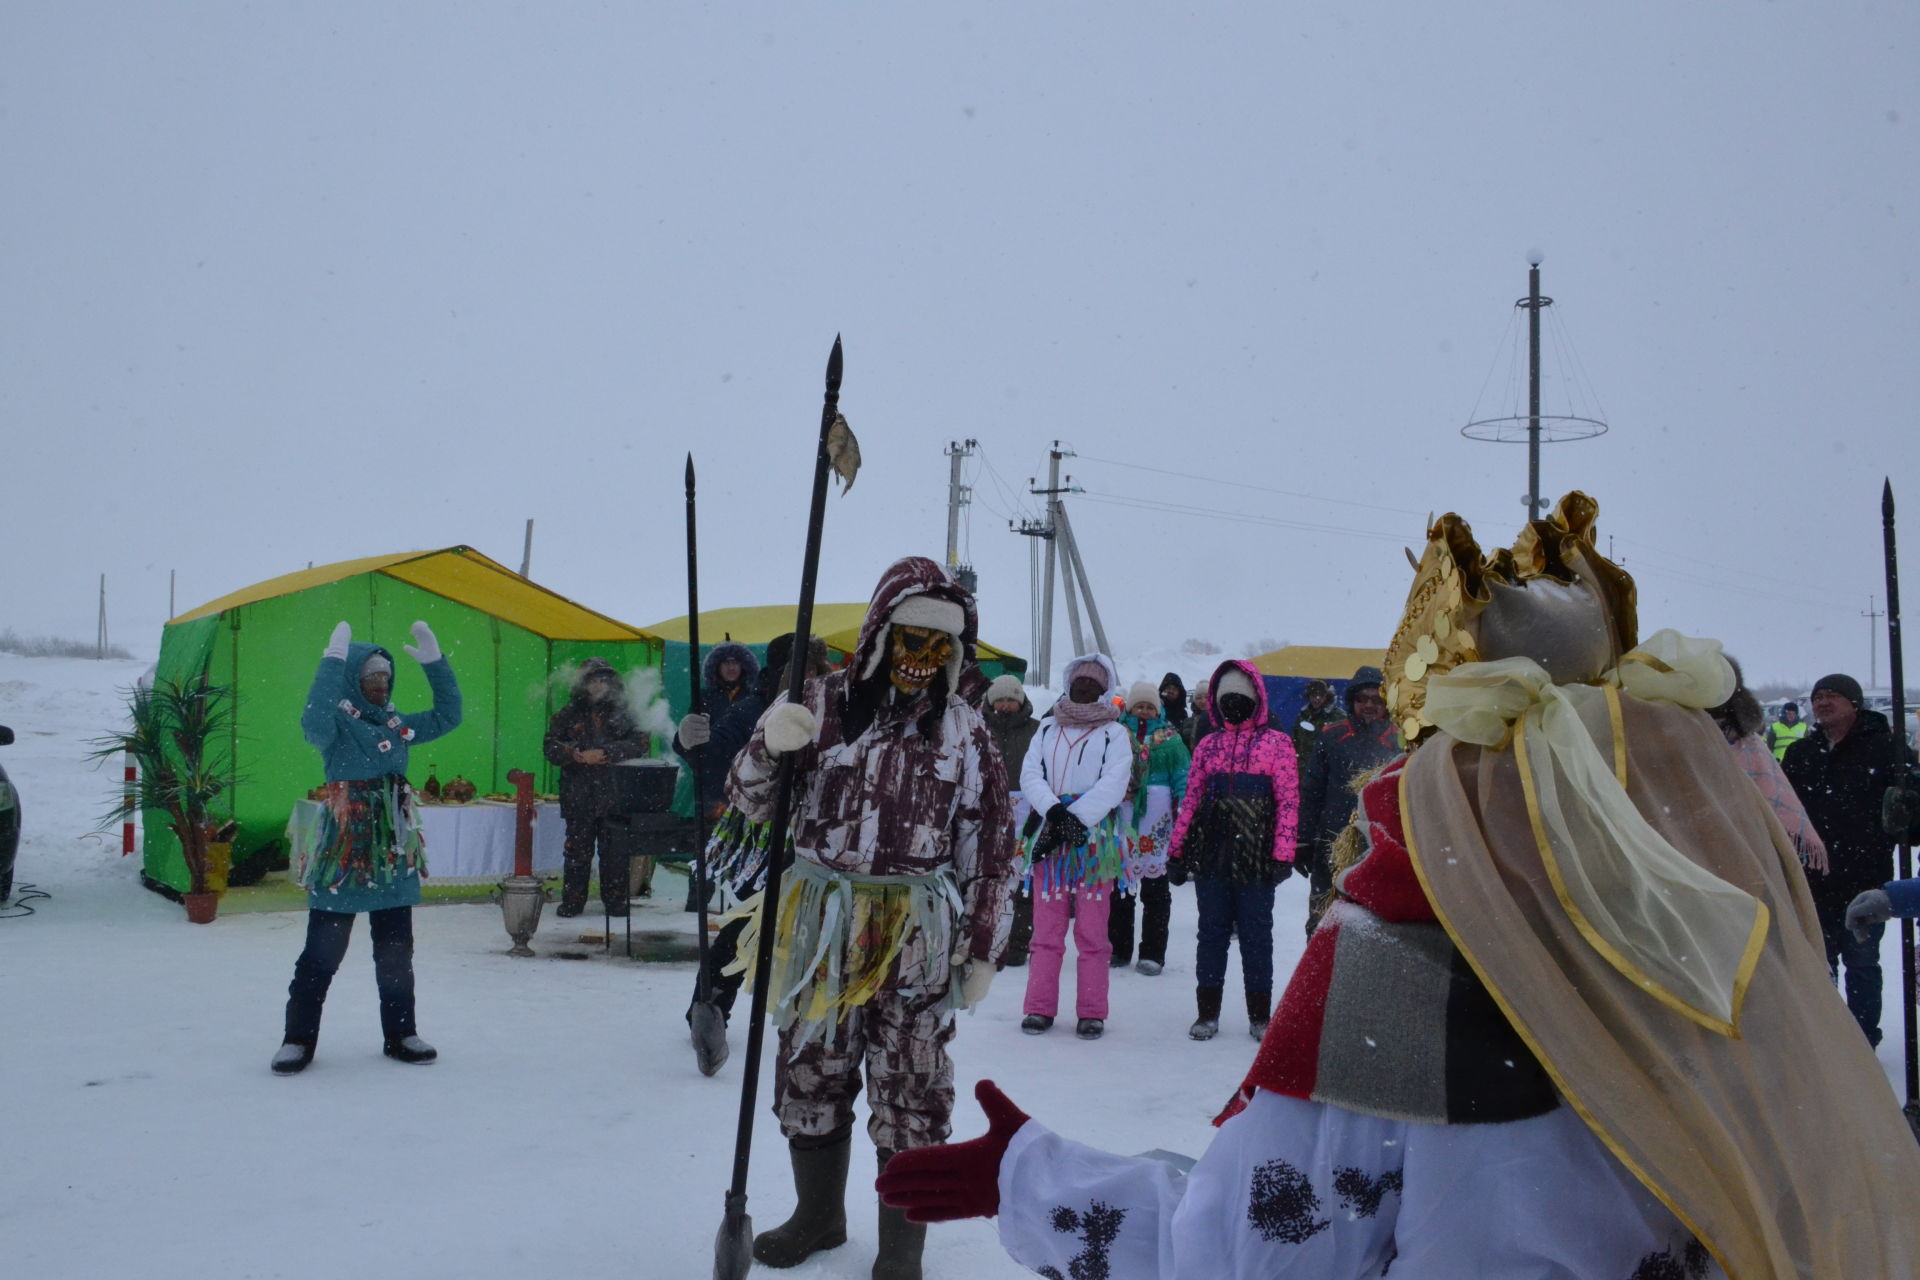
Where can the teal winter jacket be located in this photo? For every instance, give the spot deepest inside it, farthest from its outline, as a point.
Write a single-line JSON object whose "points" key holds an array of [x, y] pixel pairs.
{"points": [[359, 742]]}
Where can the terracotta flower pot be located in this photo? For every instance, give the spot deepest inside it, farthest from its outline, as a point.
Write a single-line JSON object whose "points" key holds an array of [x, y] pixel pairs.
{"points": [[202, 907]]}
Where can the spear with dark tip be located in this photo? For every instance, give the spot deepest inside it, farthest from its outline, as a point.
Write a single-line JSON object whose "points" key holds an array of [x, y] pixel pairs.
{"points": [[706, 1020], [733, 1248], [1898, 674]]}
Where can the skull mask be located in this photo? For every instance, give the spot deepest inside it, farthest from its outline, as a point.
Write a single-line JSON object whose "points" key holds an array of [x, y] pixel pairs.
{"points": [[919, 654]]}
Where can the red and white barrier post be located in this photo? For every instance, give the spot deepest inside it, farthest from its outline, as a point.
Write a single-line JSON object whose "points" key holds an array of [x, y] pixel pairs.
{"points": [[130, 787]]}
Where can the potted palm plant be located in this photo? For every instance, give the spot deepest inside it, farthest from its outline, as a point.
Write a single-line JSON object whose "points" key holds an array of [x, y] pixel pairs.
{"points": [[175, 734]]}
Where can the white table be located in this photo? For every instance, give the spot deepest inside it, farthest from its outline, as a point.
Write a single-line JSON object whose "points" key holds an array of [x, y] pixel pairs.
{"points": [[466, 843]]}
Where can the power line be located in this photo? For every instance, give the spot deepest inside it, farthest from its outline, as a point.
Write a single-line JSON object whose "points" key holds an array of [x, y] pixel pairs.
{"points": [[1259, 488], [1240, 517], [1800, 590]]}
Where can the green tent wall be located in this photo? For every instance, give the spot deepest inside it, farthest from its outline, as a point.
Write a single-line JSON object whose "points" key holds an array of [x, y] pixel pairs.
{"points": [[267, 650]]}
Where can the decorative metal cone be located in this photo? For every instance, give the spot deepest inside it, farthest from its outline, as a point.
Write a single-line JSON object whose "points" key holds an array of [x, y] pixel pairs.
{"points": [[709, 1036], [733, 1245]]}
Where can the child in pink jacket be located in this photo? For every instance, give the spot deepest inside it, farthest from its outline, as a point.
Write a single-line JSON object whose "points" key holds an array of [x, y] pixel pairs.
{"points": [[1234, 840]]}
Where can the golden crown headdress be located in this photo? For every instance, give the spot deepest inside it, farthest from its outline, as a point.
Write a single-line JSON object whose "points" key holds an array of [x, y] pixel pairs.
{"points": [[1452, 584]]}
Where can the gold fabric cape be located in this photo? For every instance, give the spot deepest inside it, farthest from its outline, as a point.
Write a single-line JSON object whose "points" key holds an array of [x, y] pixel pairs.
{"points": [[1782, 1147]]}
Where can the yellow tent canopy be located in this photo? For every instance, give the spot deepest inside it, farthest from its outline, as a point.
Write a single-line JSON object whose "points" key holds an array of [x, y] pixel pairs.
{"points": [[1318, 662], [458, 573], [837, 624]]}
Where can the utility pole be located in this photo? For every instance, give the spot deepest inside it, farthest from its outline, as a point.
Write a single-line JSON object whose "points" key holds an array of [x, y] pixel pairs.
{"points": [[1086, 588], [959, 495], [1533, 302], [100, 640], [1053, 552], [526, 555], [1873, 617], [1064, 553], [170, 577]]}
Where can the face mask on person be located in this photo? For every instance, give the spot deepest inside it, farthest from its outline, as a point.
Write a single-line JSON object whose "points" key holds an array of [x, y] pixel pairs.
{"points": [[1236, 708], [1085, 689]]}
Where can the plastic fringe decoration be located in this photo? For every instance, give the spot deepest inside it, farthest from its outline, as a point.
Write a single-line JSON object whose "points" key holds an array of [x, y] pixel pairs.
{"points": [[369, 837], [843, 938]]}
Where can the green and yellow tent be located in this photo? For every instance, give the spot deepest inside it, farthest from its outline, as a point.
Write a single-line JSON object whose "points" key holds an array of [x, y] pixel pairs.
{"points": [[507, 638]]}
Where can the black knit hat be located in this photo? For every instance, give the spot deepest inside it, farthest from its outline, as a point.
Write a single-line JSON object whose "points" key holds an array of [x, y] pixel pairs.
{"points": [[1846, 686]]}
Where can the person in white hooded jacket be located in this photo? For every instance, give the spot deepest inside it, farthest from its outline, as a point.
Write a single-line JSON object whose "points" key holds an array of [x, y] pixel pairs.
{"points": [[1075, 777]]}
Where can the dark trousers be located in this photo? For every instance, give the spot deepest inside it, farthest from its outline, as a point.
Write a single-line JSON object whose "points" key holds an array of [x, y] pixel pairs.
{"points": [[1319, 885], [1157, 902], [327, 936], [587, 832], [1020, 935], [1862, 960], [1226, 910], [724, 988]]}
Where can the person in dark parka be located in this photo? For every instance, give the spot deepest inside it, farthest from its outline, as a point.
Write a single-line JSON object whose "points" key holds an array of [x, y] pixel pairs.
{"points": [[731, 709], [723, 742], [1345, 749], [1173, 701], [586, 738], [1841, 772], [1012, 724]]}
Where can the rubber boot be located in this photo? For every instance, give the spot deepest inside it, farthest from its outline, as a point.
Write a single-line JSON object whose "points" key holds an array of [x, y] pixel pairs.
{"points": [[1207, 1025], [901, 1241], [819, 1221], [1259, 1013]]}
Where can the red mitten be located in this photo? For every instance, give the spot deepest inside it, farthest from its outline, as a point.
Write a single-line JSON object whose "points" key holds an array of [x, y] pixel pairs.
{"points": [[960, 1179]]}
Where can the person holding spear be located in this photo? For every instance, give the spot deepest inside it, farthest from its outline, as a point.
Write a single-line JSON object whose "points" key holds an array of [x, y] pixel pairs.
{"points": [[894, 913]]}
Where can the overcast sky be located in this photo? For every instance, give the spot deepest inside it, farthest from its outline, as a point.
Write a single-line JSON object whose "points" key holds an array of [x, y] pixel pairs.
{"points": [[282, 283]]}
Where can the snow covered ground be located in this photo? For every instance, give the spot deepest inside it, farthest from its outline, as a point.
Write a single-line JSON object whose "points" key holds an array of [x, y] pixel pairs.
{"points": [[564, 1131]]}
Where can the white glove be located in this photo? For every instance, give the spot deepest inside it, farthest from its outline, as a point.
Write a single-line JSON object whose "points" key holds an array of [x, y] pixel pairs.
{"points": [[695, 730], [337, 642], [975, 978], [424, 648], [788, 727], [1872, 907]]}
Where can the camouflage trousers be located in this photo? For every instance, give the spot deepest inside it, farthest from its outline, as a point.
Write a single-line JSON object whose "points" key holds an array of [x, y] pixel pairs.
{"points": [[901, 1042]]}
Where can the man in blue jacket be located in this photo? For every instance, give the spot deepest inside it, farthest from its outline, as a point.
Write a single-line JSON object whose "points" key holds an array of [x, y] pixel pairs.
{"points": [[368, 854]]}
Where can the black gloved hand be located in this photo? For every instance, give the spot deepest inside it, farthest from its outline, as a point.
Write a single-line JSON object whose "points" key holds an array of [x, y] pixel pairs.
{"points": [[1278, 871], [1068, 831], [1176, 871]]}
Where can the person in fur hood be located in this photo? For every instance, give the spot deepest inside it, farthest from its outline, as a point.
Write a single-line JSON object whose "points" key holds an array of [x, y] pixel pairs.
{"points": [[594, 731], [893, 915]]}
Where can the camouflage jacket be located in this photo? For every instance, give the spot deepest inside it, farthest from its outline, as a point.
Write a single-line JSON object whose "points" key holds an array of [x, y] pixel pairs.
{"points": [[892, 802]]}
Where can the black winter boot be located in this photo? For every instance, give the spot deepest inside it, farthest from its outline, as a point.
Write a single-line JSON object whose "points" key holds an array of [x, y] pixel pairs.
{"points": [[1207, 1025], [292, 1058], [901, 1241], [819, 1221], [575, 874], [1259, 1013]]}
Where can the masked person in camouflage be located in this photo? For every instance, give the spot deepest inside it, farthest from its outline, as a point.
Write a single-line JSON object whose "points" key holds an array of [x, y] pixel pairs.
{"points": [[893, 914]]}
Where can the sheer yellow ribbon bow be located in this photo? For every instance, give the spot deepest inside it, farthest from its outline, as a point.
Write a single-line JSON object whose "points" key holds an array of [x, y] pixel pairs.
{"points": [[1681, 933]]}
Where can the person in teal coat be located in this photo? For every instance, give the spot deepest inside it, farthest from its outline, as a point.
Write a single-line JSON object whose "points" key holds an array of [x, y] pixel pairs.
{"points": [[368, 854], [1159, 784]]}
